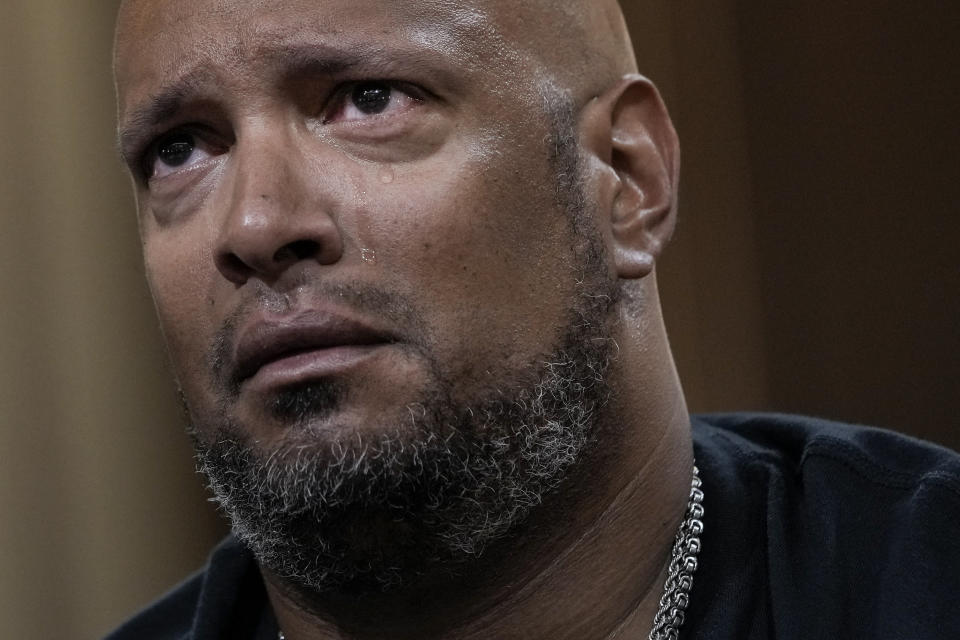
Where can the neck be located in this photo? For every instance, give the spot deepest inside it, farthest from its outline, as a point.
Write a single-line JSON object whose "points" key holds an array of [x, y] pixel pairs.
{"points": [[589, 564]]}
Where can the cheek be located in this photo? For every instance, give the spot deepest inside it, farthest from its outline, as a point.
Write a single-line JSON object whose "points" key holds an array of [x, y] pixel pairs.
{"points": [[487, 251], [180, 285]]}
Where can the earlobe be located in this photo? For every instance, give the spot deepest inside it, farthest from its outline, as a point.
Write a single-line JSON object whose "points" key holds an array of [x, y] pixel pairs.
{"points": [[642, 154]]}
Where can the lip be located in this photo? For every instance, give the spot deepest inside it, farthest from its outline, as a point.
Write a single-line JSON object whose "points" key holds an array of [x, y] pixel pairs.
{"points": [[273, 351]]}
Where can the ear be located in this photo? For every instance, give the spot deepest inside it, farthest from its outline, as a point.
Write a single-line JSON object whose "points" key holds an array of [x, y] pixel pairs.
{"points": [[631, 135]]}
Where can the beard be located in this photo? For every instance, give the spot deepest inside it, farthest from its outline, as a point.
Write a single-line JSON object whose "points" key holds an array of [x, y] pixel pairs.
{"points": [[444, 478]]}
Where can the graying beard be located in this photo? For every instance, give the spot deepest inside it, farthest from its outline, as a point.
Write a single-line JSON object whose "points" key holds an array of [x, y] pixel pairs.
{"points": [[367, 515]]}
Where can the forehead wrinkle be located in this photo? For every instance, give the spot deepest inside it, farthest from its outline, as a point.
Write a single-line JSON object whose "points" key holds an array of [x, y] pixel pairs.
{"points": [[447, 28], [464, 31]]}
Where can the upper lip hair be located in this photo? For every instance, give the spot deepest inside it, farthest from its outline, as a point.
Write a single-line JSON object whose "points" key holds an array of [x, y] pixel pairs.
{"points": [[268, 339]]}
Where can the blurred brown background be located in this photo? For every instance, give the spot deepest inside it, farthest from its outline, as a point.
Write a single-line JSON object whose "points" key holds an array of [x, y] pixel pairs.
{"points": [[814, 269]]}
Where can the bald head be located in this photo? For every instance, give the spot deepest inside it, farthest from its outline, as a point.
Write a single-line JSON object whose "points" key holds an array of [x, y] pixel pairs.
{"points": [[585, 42], [582, 46]]}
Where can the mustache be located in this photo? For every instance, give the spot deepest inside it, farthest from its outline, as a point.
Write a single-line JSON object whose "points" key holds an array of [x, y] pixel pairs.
{"points": [[397, 309]]}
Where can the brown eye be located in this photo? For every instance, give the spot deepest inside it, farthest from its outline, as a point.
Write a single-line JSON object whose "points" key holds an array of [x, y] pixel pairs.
{"points": [[176, 149], [371, 97]]}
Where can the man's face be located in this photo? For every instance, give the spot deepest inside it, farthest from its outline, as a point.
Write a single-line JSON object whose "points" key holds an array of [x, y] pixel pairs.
{"points": [[351, 215]]}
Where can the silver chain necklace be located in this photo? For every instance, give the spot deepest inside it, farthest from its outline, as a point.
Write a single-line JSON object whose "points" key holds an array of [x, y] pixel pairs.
{"points": [[683, 564]]}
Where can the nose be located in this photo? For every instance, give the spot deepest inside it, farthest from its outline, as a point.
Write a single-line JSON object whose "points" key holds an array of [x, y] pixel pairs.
{"points": [[276, 213]]}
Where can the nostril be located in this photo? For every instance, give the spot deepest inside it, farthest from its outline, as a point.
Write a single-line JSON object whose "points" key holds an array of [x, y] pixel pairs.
{"points": [[233, 268], [296, 251]]}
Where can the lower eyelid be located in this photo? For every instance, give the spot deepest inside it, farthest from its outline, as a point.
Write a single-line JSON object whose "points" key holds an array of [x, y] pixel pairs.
{"points": [[190, 165]]}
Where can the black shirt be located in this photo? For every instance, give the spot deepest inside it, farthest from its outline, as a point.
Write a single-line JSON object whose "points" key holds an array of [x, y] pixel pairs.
{"points": [[813, 530]]}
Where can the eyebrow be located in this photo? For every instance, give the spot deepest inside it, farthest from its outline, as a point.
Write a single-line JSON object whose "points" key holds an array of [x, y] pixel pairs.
{"points": [[293, 58], [162, 106]]}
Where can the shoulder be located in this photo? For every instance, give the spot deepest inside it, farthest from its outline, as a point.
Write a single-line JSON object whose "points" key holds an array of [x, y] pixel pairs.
{"points": [[851, 528], [169, 617], [203, 599], [835, 475], [801, 447]]}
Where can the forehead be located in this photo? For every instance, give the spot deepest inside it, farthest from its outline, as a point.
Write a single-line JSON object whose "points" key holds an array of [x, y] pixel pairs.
{"points": [[228, 23], [157, 39]]}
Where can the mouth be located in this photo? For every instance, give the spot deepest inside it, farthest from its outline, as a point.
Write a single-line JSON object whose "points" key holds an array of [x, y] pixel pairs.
{"points": [[273, 352]]}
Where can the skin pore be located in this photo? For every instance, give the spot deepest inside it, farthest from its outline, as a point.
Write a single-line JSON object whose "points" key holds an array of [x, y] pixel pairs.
{"points": [[444, 222]]}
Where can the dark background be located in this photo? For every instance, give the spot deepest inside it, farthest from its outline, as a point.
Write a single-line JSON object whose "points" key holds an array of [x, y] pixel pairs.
{"points": [[815, 265]]}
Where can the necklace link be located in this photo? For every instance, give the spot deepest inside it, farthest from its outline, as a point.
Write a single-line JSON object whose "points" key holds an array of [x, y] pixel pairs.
{"points": [[683, 564]]}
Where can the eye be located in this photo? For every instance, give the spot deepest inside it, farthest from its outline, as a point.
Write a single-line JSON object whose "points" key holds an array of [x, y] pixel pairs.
{"points": [[371, 97], [363, 100], [176, 151]]}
